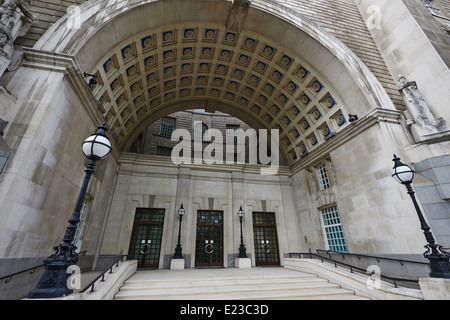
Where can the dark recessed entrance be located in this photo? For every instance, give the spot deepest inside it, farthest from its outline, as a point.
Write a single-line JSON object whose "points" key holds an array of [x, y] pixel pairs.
{"points": [[209, 241], [145, 245]]}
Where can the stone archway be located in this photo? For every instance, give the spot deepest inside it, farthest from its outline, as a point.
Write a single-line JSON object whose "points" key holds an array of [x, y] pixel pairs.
{"points": [[274, 67]]}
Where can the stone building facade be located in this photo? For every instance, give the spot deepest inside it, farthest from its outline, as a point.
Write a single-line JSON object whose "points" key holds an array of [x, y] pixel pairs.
{"points": [[346, 84]]}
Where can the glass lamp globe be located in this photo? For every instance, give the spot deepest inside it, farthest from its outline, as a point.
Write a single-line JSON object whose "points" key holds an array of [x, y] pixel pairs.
{"points": [[181, 210], [401, 172], [97, 146], [240, 212]]}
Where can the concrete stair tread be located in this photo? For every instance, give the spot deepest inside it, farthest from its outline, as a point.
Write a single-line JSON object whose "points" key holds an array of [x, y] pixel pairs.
{"points": [[199, 290], [229, 284], [326, 293], [136, 285]]}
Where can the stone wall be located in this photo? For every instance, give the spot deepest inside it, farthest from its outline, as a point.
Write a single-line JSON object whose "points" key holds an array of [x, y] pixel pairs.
{"points": [[43, 176], [149, 182]]}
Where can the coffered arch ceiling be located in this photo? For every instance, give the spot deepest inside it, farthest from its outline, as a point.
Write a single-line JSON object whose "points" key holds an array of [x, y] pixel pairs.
{"points": [[244, 74], [277, 71]]}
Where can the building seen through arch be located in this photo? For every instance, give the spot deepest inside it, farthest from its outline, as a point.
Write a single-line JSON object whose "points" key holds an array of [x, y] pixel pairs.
{"points": [[291, 110]]}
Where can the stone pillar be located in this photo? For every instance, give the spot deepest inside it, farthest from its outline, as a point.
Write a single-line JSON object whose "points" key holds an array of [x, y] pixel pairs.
{"points": [[183, 196]]}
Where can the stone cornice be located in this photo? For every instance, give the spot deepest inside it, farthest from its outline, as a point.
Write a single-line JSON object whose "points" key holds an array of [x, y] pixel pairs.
{"points": [[362, 124]]}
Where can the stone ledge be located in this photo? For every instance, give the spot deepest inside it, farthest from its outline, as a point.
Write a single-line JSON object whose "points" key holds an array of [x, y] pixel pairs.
{"points": [[435, 288], [353, 281]]}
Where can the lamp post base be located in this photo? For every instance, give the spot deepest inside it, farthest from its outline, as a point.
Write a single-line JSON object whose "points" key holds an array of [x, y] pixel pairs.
{"points": [[243, 263], [440, 266], [52, 284], [177, 264]]}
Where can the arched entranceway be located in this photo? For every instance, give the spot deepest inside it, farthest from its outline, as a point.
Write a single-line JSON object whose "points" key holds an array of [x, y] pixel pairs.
{"points": [[274, 70]]}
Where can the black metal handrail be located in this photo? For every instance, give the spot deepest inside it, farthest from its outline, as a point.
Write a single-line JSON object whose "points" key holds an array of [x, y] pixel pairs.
{"points": [[378, 258], [352, 268], [102, 275], [31, 269], [10, 276]]}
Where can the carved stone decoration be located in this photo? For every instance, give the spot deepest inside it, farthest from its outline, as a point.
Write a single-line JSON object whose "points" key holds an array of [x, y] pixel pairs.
{"points": [[237, 15], [424, 126], [15, 19]]}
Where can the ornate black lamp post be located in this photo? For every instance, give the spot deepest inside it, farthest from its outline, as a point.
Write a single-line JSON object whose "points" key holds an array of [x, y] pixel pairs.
{"points": [[439, 259], [242, 253], [178, 248], [53, 282]]}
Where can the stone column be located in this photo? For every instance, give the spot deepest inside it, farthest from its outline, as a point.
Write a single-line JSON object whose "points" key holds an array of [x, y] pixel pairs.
{"points": [[187, 231]]}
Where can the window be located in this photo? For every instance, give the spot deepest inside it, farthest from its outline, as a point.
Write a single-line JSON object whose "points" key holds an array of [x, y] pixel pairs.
{"points": [[322, 175], [167, 126], [332, 227], [163, 151], [232, 135], [200, 132], [85, 208]]}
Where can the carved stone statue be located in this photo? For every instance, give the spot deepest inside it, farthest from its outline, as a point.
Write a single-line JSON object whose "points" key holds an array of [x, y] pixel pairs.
{"points": [[15, 18], [237, 16], [422, 122], [6, 40]]}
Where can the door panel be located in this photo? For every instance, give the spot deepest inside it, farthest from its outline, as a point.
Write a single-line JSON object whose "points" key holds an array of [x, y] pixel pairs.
{"points": [[265, 239], [145, 244], [209, 241]]}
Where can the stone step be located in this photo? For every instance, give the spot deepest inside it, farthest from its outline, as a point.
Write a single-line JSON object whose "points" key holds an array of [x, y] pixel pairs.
{"points": [[222, 282], [237, 294], [199, 290], [256, 284]]}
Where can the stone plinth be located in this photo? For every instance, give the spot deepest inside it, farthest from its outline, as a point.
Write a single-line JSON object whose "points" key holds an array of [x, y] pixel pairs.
{"points": [[243, 263], [177, 264]]}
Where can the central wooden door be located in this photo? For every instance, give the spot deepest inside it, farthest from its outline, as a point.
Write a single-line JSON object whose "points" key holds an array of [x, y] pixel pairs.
{"points": [[209, 241]]}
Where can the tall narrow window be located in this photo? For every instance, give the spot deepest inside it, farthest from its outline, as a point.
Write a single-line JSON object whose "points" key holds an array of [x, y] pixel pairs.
{"points": [[322, 175], [231, 133], [333, 231], [167, 126], [200, 132], [85, 208]]}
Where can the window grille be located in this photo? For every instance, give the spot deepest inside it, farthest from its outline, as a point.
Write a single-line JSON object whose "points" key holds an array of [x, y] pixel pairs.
{"points": [[200, 132], [77, 241], [333, 231], [167, 126], [232, 135], [322, 174]]}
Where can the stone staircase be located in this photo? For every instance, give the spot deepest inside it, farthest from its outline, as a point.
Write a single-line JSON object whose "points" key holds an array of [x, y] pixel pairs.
{"points": [[230, 284]]}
